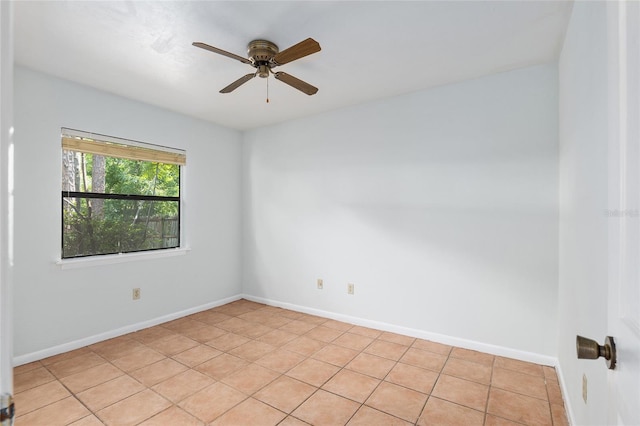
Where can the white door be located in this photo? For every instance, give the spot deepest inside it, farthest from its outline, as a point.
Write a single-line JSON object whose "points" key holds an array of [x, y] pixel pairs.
{"points": [[6, 114], [624, 227]]}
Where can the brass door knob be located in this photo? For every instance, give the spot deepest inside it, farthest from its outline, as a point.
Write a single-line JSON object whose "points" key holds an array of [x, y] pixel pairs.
{"points": [[590, 349]]}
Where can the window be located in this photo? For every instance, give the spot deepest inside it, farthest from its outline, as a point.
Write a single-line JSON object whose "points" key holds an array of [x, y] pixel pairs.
{"points": [[118, 196]]}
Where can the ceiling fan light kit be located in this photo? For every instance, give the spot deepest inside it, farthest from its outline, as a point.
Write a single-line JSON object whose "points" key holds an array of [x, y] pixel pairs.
{"points": [[264, 55]]}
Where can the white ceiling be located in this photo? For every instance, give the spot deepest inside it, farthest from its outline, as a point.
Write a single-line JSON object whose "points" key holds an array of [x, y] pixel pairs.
{"points": [[370, 50]]}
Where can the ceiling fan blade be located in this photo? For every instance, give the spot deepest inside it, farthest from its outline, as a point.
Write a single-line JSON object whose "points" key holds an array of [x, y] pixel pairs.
{"points": [[296, 83], [221, 52], [239, 82], [297, 51]]}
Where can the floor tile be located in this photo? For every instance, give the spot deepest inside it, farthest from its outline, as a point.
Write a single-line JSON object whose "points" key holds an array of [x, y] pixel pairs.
{"points": [[196, 355], [31, 379], [324, 408], [475, 356], [275, 321], [250, 412], [367, 416], [364, 331], [424, 359], [185, 384], [172, 345], [65, 356], [312, 319], [519, 408], [397, 338], [371, 365], [559, 415], [514, 381], [116, 348], [205, 333], [468, 370], [210, 317], [91, 377], [491, 420], [221, 366], [255, 331], [183, 325], [257, 316], [550, 374], [158, 372], [277, 337], [297, 327], [292, 421], [290, 314], [336, 355], [151, 334], [337, 325], [250, 379], [61, 413], [462, 392], [138, 359], [323, 333], [388, 350], [353, 341], [39, 397], [134, 409], [312, 371], [434, 347], [173, 416], [27, 367], [233, 325], [110, 392], [90, 420], [397, 401], [252, 350], [212, 401], [305, 345], [411, 377], [439, 412], [76, 364], [352, 385], [280, 360], [228, 341], [519, 366], [285, 393], [554, 393]]}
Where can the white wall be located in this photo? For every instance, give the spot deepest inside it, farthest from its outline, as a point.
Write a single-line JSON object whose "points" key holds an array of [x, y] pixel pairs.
{"points": [[440, 206], [54, 306], [583, 200]]}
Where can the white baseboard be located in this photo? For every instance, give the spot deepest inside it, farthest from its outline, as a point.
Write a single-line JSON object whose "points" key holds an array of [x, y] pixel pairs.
{"points": [[434, 337], [76, 344], [563, 387]]}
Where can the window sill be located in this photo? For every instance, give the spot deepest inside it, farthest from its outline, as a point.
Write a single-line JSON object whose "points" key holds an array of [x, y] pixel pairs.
{"points": [[110, 259]]}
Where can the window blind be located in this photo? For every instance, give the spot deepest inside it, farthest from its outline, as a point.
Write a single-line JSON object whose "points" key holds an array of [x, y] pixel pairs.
{"points": [[121, 148]]}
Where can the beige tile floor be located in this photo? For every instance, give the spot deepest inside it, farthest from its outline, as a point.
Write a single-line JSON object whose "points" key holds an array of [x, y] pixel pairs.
{"points": [[246, 363]]}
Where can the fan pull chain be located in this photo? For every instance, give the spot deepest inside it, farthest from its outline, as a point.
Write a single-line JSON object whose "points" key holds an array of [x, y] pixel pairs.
{"points": [[267, 89]]}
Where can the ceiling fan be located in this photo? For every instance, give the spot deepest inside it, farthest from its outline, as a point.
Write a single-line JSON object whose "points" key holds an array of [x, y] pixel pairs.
{"points": [[264, 55]]}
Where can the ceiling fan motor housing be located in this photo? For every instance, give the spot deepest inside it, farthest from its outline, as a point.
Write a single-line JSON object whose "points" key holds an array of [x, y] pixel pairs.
{"points": [[261, 52]]}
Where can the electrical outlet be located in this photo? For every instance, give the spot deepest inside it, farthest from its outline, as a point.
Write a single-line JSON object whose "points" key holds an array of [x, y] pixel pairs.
{"points": [[584, 388], [320, 284], [349, 288], [136, 294]]}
